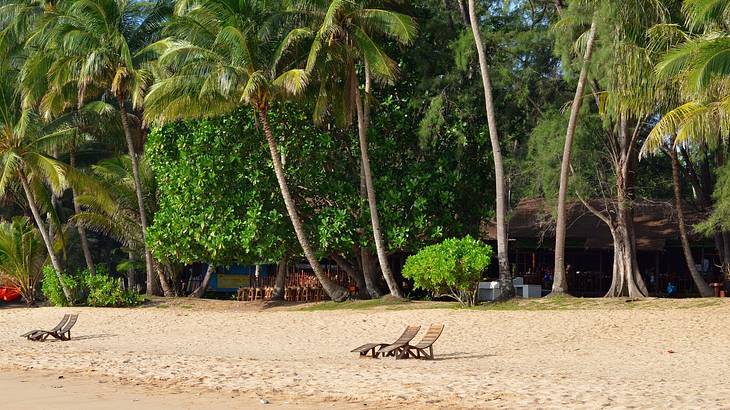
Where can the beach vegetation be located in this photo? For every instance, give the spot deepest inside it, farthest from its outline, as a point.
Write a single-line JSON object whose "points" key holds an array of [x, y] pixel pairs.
{"points": [[22, 257], [91, 289], [452, 267], [150, 136]]}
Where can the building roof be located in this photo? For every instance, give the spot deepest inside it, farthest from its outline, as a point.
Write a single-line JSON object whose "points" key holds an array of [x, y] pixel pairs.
{"points": [[655, 223]]}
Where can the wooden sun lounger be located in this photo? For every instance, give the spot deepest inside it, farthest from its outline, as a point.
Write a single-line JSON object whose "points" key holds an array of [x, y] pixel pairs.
{"points": [[424, 348], [376, 348], [395, 347], [33, 333], [62, 331]]}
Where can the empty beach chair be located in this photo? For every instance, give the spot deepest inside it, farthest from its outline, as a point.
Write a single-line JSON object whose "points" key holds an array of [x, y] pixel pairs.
{"points": [[30, 335], [62, 331], [375, 349], [424, 348], [37, 334]]}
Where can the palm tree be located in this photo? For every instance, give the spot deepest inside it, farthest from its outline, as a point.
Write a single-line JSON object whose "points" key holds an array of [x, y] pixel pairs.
{"points": [[346, 33], [696, 62], [505, 276], [108, 205], [218, 60], [699, 281], [22, 256], [559, 282], [93, 46], [23, 143]]}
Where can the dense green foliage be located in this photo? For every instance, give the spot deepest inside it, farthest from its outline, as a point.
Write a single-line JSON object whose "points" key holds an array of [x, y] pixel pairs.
{"points": [[451, 267], [218, 202], [114, 114], [52, 291], [100, 290], [105, 291]]}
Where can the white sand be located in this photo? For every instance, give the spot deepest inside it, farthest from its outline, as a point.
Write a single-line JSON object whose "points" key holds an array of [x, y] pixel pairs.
{"points": [[614, 358]]}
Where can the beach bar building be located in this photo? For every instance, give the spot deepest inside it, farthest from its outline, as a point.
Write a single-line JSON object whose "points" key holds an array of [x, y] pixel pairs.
{"points": [[589, 254]]}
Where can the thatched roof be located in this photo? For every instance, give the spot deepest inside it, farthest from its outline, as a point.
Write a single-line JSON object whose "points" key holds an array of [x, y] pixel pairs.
{"points": [[655, 223]]}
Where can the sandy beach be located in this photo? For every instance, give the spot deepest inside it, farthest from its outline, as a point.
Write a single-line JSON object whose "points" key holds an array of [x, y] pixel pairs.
{"points": [[653, 354]]}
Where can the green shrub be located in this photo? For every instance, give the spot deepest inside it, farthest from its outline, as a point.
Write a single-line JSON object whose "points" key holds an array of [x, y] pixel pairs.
{"points": [[52, 290], [100, 290], [105, 291], [452, 268]]}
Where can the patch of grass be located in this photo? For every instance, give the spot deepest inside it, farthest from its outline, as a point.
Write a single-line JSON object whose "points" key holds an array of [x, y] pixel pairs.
{"points": [[701, 303], [186, 306], [162, 306], [385, 303], [575, 303]]}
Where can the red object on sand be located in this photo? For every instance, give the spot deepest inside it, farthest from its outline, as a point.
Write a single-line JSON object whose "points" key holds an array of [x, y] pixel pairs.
{"points": [[9, 294], [670, 351]]}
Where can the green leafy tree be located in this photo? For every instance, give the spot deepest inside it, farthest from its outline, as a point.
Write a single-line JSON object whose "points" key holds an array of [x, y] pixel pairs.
{"points": [[217, 202], [626, 91], [453, 267]]}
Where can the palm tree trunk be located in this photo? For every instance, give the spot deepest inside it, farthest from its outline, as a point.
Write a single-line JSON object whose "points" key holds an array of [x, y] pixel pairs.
{"points": [[335, 291], [369, 272], [131, 275], [362, 127], [151, 283], [203, 287], [168, 288], [44, 234], [82, 232], [702, 286], [280, 281], [560, 283], [354, 274], [505, 276]]}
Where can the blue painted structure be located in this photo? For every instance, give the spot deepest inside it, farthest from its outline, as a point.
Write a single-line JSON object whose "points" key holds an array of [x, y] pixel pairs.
{"points": [[225, 278]]}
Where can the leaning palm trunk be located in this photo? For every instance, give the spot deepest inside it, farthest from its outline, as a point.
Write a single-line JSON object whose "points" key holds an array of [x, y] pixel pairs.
{"points": [[702, 286], [353, 273], [369, 273], [82, 232], [151, 283], [362, 127], [203, 287], [559, 283], [505, 277], [335, 292], [46, 239], [168, 287]]}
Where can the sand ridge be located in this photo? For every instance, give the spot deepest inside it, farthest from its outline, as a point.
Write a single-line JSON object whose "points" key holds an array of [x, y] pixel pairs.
{"points": [[485, 359]]}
